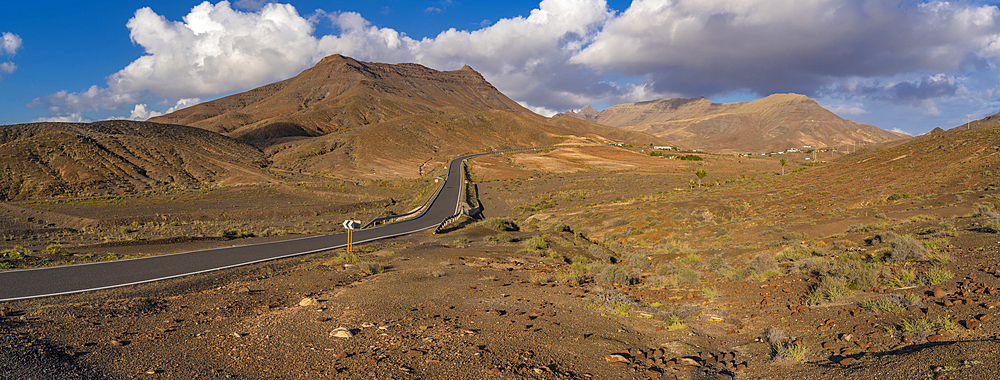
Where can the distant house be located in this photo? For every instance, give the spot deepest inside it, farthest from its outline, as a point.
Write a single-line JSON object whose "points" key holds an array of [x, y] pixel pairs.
{"points": [[663, 147]]}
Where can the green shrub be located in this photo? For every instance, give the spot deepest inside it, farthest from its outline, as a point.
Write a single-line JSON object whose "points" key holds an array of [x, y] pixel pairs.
{"points": [[569, 277], [898, 196], [985, 210], [992, 226], [905, 248], [688, 276], [614, 274], [882, 305], [235, 233], [370, 267], [344, 257], [53, 249], [791, 352], [499, 224], [936, 275], [829, 289], [710, 294], [18, 252], [536, 243], [539, 278], [903, 278], [919, 329]]}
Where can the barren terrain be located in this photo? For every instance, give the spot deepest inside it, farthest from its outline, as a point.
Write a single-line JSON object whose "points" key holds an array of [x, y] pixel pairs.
{"points": [[593, 262]]}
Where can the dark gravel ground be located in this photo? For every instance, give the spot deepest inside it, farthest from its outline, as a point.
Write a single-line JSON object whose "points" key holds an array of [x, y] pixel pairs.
{"points": [[26, 358]]}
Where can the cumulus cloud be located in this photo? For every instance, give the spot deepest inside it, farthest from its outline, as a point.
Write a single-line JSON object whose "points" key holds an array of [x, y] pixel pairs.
{"points": [[75, 117], [143, 112], [9, 45], [94, 99], [568, 53], [847, 110], [709, 47], [914, 92], [214, 50]]}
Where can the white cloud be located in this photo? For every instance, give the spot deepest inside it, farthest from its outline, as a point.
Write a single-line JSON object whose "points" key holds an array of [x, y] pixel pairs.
{"points": [[701, 47], [95, 98], [539, 110], [141, 113], [214, 50], [570, 53], [70, 118], [847, 110], [11, 43]]}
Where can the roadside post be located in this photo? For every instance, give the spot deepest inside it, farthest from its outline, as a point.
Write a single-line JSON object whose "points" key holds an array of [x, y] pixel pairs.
{"points": [[350, 225]]}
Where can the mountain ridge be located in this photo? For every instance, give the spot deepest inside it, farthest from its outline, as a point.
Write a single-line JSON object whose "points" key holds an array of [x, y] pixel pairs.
{"points": [[773, 123], [345, 117]]}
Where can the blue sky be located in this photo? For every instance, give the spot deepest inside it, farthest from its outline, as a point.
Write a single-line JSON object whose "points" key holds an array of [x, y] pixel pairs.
{"points": [[900, 65]]}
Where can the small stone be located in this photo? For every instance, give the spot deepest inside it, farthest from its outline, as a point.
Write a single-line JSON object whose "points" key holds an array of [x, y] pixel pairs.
{"points": [[985, 317], [846, 337], [493, 371], [153, 371], [243, 289], [724, 376], [827, 345], [341, 332], [972, 324], [340, 355], [688, 362], [935, 338], [5, 311], [308, 301], [847, 361], [616, 358], [653, 373], [939, 292]]}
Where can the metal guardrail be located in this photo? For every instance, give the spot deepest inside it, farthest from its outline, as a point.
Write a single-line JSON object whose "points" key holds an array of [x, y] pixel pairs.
{"points": [[423, 208], [418, 211]]}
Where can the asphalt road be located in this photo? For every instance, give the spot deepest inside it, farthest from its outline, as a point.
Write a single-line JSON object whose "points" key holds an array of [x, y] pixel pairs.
{"points": [[52, 281]]}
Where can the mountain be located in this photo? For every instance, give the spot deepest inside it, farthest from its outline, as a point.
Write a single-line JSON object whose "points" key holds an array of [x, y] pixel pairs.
{"points": [[42, 160], [774, 123], [349, 118]]}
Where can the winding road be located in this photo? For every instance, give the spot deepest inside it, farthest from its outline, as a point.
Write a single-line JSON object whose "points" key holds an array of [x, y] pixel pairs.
{"points": [[53, 281]]}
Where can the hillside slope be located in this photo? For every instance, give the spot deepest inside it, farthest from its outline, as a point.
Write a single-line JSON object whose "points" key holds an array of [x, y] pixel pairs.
{"points": [[774, 123], [349, 118], [43, 160]]}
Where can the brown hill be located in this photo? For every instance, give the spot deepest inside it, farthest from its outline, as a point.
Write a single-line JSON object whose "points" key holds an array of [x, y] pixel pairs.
{"points": [[775, 123], [42, 160], [353, 118]]}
